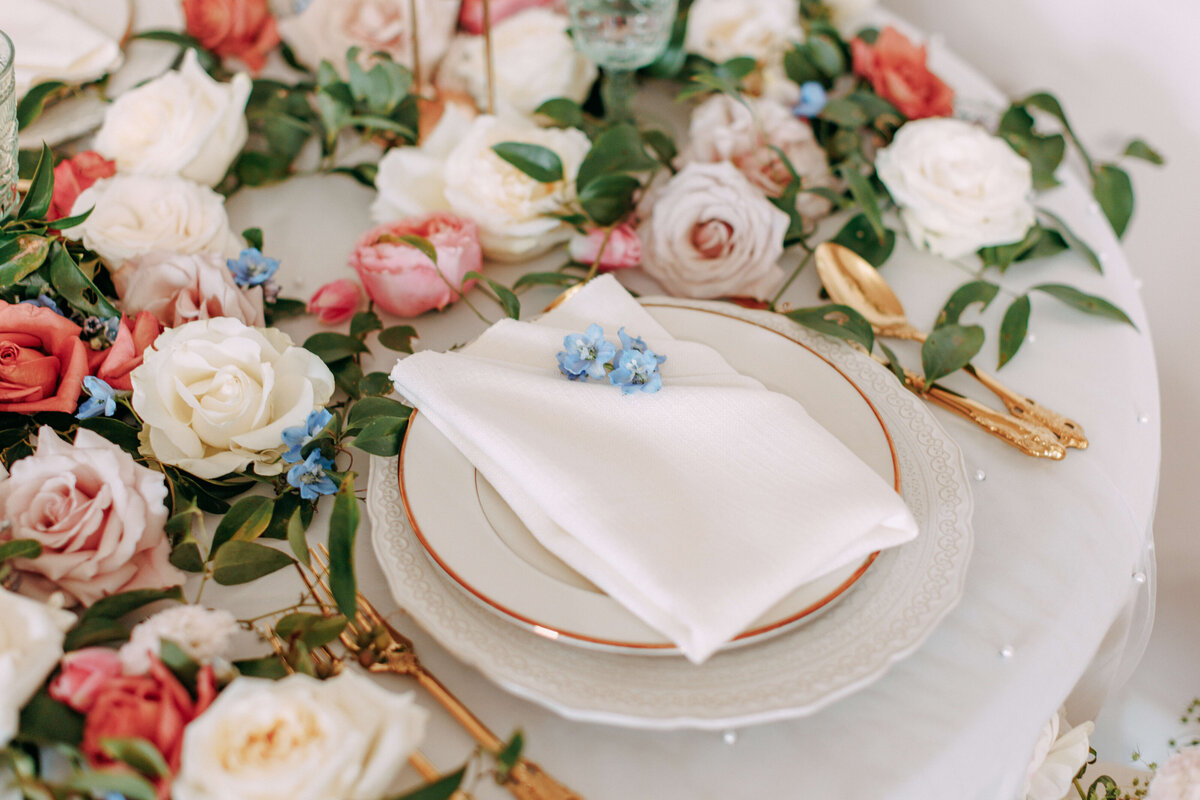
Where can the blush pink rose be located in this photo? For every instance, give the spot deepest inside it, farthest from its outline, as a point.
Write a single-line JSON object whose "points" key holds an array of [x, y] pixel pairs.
{"points": [[243, 29], [83, 674], [180, 287], [896, 69], [42, 360], [622, 251], [470, 17], [75, 174], [114, 364], [336, 301], [401, 279], [97, 513]]}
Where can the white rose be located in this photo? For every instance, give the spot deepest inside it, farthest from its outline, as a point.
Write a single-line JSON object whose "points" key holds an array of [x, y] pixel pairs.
{"points": [[135, 214], [712, 234], [1057, 757], [181, 123], [849, 15], [958, 187], [534, 59], [215, 395], [31, 640], [299, 738], [1179, 778], [724, 129], [203, 634], [411, 180], [326, 29], [762, 29]]}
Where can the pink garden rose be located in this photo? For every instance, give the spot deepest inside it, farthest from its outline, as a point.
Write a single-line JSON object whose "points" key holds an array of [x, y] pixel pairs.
{"points": [[401, 279], [178, 288], [75, 174], [336, 301], [243, 29], [114, 364], [470, 17], [97, 513], [622, 251], [83, 674]]}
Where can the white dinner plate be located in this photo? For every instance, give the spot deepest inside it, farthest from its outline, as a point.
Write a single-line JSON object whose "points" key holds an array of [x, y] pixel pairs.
{"points": [[891, 610], [480, 543]]}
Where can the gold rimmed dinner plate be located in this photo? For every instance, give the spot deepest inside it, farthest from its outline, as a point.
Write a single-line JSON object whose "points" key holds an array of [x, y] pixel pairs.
{"points": [[480, 544]]}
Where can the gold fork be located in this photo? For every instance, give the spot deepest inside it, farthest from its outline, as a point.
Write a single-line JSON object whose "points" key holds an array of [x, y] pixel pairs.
{"points": [[379, 647]]}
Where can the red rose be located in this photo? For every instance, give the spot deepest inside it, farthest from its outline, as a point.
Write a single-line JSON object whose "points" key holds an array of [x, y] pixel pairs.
{"points": [[75, 174], [243, 29], [896, 69], [114, 364], [155, 707], [42, 360]]}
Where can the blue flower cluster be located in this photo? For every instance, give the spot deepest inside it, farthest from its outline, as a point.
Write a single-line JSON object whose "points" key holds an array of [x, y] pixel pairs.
{"points": [[589, 355], [812, 100], [309, 475], [252, 268], [102, 400]]}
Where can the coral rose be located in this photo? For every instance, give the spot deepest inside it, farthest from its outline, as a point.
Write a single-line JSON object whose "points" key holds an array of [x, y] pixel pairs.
{"points": [[896, 69], [114, 364], [401, 279], [622, 250], [336, 301], [42, 360], [75, 174], [243, 29], [178, 288], [82, 674], [97, 513]]}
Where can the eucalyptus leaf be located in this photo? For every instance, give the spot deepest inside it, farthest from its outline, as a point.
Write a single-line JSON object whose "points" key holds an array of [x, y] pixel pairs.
{"points": [[269, 667], [1003, 255], [441, 789], [1013, 329], [241, 562], [20, 548], [297, 527], [118, 605], [538, 162], [245, 520], [330, 346], [1078, 245], [835, 320], [893, 363], [315, 630], [1087, 303], [1114, 192], [34, 101], [138, 753], [949, 349], [1140, 149], [282, 508], [503, 295], [859, 235], [864, 196], [107, 783], [982, 292], [343, 526]]}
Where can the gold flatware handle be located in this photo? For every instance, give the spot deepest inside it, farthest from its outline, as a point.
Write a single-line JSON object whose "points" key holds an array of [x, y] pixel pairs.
{"points": [[527, 781]]}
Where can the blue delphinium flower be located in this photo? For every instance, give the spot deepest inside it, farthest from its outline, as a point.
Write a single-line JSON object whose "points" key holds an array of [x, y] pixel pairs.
{"points": [[636, 370], [812, 100], [639, 344], [102, 401], [586, 354], [299, 435], [45, 301], [309, 476], [251, 267]]}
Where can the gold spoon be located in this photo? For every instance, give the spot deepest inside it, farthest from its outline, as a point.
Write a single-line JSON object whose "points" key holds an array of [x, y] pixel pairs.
{"points": [[852, 281]]}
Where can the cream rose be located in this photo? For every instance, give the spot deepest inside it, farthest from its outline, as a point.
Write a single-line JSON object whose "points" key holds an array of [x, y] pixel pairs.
{"points": [[509, 207], [850, 15], [215, 395], [712, 234], [181, 123], [178, 288], [326, 29], [958, 187], [411, 180], [31, 640], [299, 738], [762, 29], [1179, 778], [535, 61], [203, 634], [135, 214], [1059, 753], [97, 513], [723, 129]]}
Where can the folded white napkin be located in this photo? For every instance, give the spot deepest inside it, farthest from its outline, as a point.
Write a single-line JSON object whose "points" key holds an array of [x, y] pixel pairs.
{"points": [[697, 507], [52, 44]]}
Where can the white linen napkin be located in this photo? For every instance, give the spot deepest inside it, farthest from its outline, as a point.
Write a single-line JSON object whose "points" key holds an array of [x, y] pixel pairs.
{"points": [[697, 507], [51, 43]]}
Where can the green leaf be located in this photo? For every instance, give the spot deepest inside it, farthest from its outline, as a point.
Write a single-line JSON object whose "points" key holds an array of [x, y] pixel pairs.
{"points": [[377, 123], [375, 383], [363, 323], [245, 520], [31, 105], [315, 630], [21, 256], [799, 66], [835, 320], [343, 525], [609, 198], [844, 112], [75, 287], [419, 242], [347, 375], [187, 556], [963, 297], [1114, 191], [97, 630], [20, 548], [1104, 784], [41, 188], [564, 112], [1138, 148], [242, 562], [118, 605], [381, 436], [1013, 328], [269, 667], [364, 173], [258, 169], [509, 755], [398, 338], [330, 346], [948, 349], [546, 279], [137, 753], [105, 782], [504, 296], [826, 56], [1087, 303], [663, 146], [371, 407], [441, 789], [619, 149], [864, 196], [282, 509], [893, 363], [540, 163], [70, 222], [859, 235], [47, 722], [254, 238], [297, 528], [1003, 255], [1078, 245]]}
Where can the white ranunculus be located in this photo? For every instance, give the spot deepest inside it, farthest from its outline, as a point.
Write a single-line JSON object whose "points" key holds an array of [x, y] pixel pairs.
{"points": [[1179, 778], [181, 123], [215, 395], [299, 738], [135, 214], [326, 29], [762, 29], [713, 234], [535, 61], [958, 187], [31, 640], [1057, 757], [411, 180], [203, 634]]}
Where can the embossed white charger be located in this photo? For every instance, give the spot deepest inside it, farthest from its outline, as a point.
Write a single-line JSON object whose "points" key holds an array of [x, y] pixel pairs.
{"points": [[886, 615]]}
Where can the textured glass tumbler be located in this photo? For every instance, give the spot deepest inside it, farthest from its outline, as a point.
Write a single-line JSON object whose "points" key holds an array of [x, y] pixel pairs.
{"points": [[8, 129], [621, 36]]}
